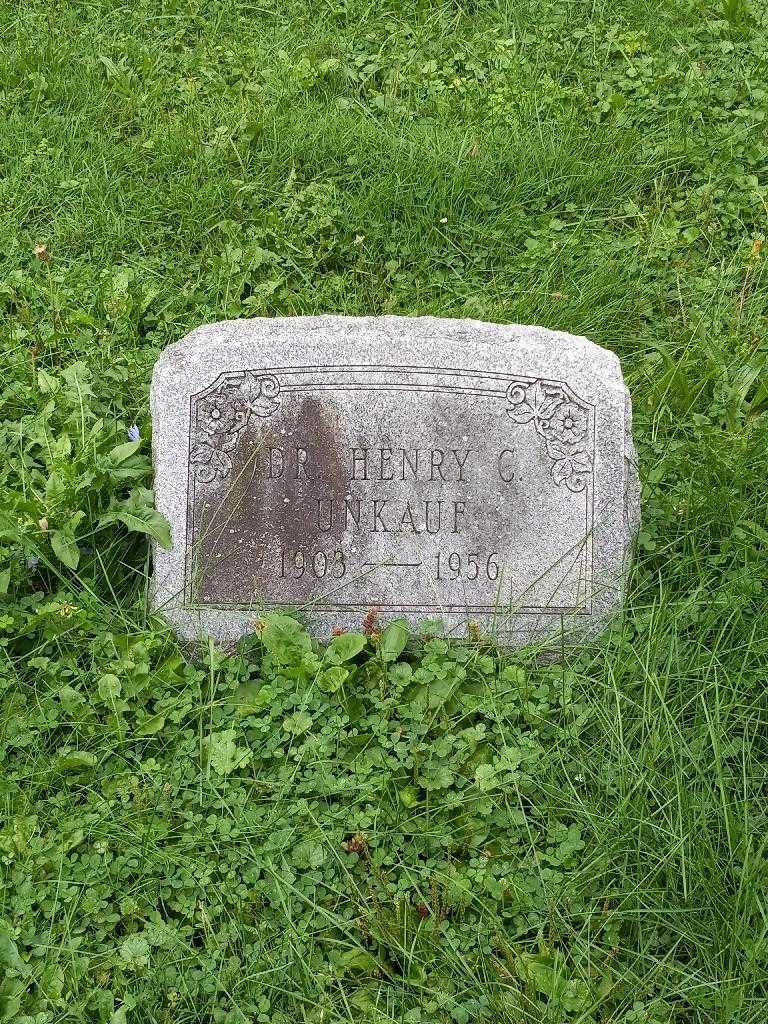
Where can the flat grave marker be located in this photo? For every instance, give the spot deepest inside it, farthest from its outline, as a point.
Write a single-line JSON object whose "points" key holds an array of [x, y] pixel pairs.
{"points": [[428, 468]]}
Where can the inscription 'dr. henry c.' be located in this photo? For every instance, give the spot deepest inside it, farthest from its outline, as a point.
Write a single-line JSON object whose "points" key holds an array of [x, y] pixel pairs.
{"points": [[425, 468]]}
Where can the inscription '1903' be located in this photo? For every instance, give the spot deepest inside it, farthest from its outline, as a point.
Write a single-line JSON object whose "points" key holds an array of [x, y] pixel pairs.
{"points": [[335, 486]]}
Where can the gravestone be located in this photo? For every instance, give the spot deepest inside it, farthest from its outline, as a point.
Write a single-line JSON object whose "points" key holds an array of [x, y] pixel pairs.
{"points": [[428, 468]]}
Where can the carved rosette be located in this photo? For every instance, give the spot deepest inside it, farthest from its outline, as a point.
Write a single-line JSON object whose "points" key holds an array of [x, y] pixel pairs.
{"points": [[221, 415], [562, 420]]}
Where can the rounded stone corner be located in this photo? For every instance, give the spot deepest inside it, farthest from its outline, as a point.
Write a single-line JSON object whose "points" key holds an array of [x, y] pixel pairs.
{"points": [[179, 357]]}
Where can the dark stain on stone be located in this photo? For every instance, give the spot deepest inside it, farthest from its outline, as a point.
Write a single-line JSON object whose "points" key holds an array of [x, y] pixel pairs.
{"points": [[268, 509]]}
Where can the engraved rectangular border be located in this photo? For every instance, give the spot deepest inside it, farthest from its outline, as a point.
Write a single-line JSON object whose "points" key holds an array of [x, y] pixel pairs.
{"points": [[283, 372]]}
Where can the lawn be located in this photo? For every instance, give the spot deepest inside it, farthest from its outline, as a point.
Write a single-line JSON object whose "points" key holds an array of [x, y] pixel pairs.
{"points": [[391, 828]]}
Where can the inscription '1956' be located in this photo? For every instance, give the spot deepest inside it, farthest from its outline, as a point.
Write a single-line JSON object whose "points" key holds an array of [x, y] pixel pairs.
{"points": [[295, 564]]}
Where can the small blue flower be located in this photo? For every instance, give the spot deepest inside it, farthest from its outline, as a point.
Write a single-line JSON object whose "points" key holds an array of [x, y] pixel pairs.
{"points": [[133, 433], [32, 562]]}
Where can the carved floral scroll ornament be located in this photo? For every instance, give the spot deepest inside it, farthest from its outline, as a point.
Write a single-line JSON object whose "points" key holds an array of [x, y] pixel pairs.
{"points": [[221, 416], [561, 420]]}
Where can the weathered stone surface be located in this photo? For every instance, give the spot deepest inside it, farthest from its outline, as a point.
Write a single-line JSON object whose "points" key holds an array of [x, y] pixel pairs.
{"points": [[428, 468]]}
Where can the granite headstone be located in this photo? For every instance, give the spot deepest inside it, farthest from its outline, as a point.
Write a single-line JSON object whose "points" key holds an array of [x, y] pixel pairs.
{"points": [[428, 468]]}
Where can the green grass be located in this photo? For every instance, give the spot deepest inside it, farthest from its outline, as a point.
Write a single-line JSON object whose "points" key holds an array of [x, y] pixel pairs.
{"points": [[581, 843]]}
